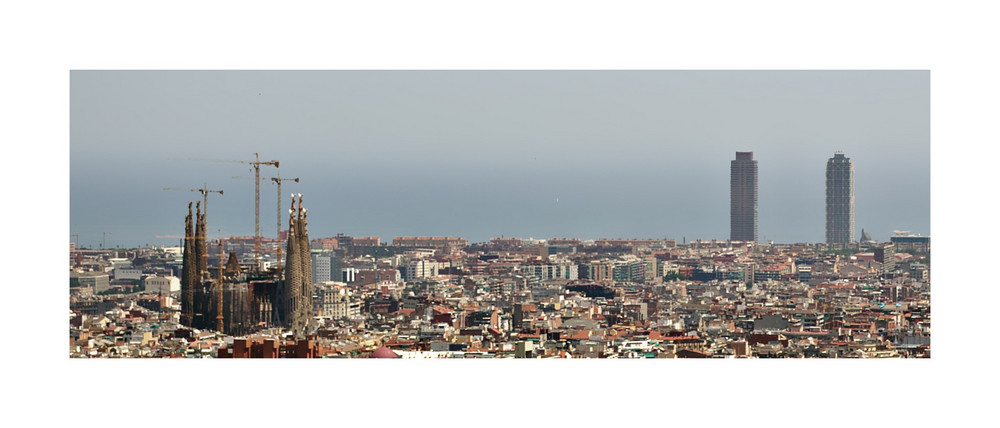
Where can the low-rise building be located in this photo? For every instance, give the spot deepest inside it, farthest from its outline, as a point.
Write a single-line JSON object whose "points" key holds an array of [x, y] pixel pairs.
{"points": [[163, 284]]}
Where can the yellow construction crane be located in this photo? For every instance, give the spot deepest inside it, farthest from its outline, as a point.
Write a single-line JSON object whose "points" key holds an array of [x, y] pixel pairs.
{"points": [[278, 181], [204, 193], [256, 202], [220, 280], [256, 163]]}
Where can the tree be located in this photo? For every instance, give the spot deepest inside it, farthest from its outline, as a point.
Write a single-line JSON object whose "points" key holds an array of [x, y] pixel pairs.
{"points": [[674, 276], [845, 252]]}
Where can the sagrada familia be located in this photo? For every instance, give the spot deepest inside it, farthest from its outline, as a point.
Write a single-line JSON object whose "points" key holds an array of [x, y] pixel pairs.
{"points": [[238, 302]]}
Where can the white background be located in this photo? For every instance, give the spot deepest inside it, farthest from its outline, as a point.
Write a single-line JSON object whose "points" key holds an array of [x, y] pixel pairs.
{"points": [[43, 41]]}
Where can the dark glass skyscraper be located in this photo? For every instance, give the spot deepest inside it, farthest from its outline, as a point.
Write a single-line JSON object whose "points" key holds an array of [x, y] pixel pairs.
{"points": [[743, 198], [839, 200]]}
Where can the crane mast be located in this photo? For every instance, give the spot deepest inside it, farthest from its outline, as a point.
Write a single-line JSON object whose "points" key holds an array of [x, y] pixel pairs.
{"points": [[218, 291], [256, 163], [278, 180], [204, 194], [256, 205]]}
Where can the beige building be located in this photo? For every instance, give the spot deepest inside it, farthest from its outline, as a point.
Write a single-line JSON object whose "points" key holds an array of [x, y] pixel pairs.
{"points": [[163, 284]]}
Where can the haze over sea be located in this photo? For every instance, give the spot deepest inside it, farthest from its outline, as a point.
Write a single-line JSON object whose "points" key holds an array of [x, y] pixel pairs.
{"points": [[480, 154]]}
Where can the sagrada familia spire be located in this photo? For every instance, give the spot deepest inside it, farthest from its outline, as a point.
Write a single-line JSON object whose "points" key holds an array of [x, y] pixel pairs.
{"points": [[293, 273], [188, 273], [298, 272], [195, 267], [306, 261], [200, 244]]}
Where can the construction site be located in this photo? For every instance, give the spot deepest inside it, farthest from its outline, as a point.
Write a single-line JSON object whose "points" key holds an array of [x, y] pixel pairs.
{"points": [[239, 300]]}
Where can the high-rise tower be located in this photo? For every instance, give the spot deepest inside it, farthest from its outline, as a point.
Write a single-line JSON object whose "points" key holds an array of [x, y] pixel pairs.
{"points": [[743, 198], [839, 200]]}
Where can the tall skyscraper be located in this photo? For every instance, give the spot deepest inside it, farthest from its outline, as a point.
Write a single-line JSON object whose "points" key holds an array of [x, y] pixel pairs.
{"points": [[839, 200], [743, 198]]}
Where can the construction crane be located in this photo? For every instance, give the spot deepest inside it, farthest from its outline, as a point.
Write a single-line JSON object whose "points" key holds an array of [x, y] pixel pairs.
{"points": [[256, 163], [220, 280], [277, 180], [256, 202], [204, 193]]}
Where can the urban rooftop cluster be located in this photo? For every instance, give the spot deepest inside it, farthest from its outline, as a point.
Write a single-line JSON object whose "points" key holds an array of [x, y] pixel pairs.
{"points": [[442, 297]]}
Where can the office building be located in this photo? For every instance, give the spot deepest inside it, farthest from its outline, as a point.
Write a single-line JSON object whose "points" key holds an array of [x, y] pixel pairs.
{"points": [[743, 198], [421, 269], [326, 266], [886, 255], [905, 241], [839, 200]]}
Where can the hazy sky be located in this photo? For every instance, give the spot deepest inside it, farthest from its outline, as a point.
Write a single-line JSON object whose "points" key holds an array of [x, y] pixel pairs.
{"points": [[480, 154]]}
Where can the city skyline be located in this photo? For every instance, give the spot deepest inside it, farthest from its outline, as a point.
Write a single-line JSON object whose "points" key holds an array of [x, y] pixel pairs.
{"points": [[487, 154]]}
